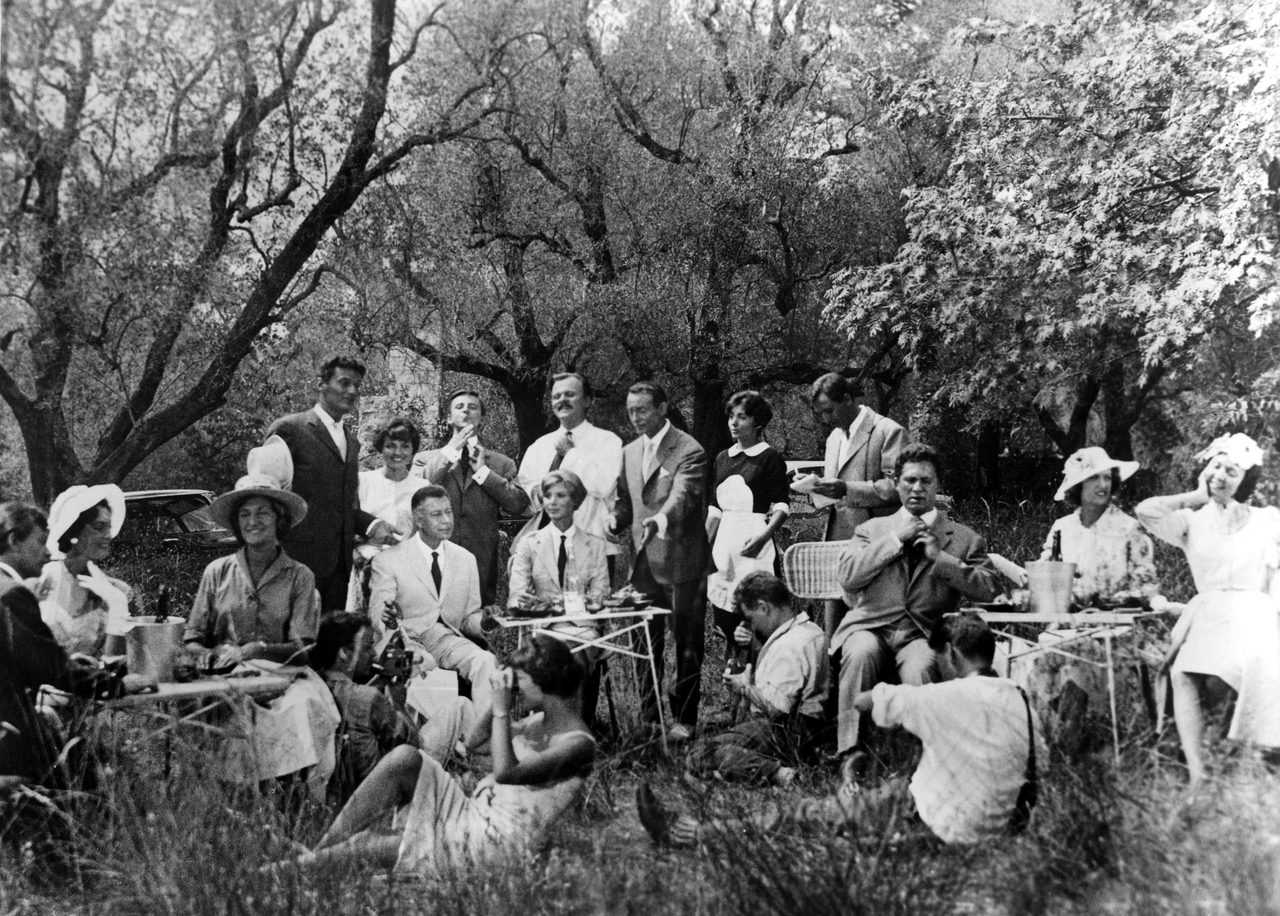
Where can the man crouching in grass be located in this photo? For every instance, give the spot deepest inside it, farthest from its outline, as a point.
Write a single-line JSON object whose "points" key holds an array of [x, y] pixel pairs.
{"points": [[977, 775], [784, 693]]}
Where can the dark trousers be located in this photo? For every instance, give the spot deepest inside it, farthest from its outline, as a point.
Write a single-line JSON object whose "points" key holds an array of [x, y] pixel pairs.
{"points": [[333, 588], [688, 604]]}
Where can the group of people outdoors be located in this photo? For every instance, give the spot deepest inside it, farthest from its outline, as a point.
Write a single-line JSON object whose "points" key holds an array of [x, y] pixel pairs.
{"points": [[337, 567]]}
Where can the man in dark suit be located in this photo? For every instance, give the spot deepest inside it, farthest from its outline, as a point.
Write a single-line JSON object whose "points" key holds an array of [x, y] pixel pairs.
{"points": [[901, 574], [31, 751], [325, 474], [480, 483], [662, 498]]}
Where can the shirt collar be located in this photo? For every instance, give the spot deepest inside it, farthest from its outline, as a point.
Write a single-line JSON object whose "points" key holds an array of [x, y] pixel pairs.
{"points": [[567, 533], [756, 449], [10, 572], [928, 518], [325, 418], [657, 437]]}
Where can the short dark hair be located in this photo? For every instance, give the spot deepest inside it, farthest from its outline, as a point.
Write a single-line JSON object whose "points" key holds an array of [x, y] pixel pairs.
{"points": [[1248, 483], [430, 491], [918, 453], [341, 361], [753, 405], [761, 588], [586, 382], [652, 389], [337, 632], [969, 634], [284, 518], [18, 520], [398, 429], [465, 392], [76, 528], [550, 664], [836, 387], [1072, 496]]}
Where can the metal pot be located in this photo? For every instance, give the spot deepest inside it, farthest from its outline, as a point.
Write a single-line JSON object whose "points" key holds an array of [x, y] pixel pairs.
{"points": [[152, 645]]}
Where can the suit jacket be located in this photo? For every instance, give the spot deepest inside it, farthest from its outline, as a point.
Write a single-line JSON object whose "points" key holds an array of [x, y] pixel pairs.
{"points": [[871, 456], [536, 565], [476, 506], [29, 657], [677, 489], [324, 540], [403, 574], [881, 588]]}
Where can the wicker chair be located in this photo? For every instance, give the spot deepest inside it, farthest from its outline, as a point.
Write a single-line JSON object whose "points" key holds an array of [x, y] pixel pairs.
{"points": [[812, 569]]}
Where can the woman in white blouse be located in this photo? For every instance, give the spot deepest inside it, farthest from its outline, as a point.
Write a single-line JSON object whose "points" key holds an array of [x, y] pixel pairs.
{"points": [[1230, 632]]}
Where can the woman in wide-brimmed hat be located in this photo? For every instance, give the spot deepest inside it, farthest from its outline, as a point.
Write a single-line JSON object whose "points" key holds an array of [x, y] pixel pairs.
{"points": [[86, 610], [258, 602], [1113, 557], [1230, 631]]}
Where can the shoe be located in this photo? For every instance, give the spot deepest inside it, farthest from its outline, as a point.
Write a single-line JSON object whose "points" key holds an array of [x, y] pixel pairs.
{"points": [[679, 734], [655, 817]]}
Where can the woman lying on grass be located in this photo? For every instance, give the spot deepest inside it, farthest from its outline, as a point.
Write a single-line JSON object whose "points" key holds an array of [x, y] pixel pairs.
{"points": [[538, 769]]}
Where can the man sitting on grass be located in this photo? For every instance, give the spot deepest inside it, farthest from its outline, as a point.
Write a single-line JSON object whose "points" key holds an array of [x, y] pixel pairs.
{"points": [[976, 777], [785, 693]]}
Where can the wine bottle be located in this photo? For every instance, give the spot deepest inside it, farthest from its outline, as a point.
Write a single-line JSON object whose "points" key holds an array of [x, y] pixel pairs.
{"points": [[1055, 555], [162, 604]]}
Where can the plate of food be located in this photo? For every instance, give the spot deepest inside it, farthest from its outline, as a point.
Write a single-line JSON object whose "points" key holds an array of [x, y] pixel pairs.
{"points": [[1012, 603], [628, 597], [538, 607]]}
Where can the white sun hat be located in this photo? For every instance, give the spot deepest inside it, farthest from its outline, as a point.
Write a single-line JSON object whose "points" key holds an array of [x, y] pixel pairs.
{"points": [[73, 501], [1086, 462], [1240, 449], [270, 467]]}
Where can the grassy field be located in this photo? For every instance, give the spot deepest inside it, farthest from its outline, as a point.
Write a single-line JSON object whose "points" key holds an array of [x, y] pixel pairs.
{"points": [[1105, 838]]}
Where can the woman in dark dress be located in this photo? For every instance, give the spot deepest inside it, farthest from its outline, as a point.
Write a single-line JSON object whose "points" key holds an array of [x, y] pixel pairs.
{"points": [[749, 503]]}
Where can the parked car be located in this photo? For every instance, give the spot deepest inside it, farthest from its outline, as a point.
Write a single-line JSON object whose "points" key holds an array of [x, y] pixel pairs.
{"points": [[174, 519]]}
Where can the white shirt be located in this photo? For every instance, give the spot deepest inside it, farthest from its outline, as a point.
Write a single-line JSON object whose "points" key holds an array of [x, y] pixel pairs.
{"points": [[428, 552], [596, 457], [651, 446], [974, 732], [336, 430], [454, 456], [848, 435], [10, 572], [791, 671]]}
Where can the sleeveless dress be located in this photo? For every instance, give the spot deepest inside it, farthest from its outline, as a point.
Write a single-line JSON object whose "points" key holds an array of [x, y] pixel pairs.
{"points": [[445, 829], [1232, 625]]}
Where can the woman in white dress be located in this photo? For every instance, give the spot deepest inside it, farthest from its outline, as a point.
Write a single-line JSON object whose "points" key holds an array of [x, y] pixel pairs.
{"points": [[538, 769], [1231, 630], [386, 492], [86, 610], [1113, 557]]}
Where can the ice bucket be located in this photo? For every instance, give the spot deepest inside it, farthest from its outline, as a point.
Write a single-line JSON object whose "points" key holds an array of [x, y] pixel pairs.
{"points": [[152, 645], [1049, 583]]}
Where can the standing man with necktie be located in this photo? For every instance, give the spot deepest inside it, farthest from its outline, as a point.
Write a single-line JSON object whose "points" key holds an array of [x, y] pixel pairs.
{"points": [[861, 450], [594, 454], [326, 475], [481, 483], [429, 587], [662, 499]]}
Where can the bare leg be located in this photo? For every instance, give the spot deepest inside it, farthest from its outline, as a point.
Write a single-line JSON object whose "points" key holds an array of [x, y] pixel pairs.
{"points": [[380, 849], [1190, 720], [390, 784]]}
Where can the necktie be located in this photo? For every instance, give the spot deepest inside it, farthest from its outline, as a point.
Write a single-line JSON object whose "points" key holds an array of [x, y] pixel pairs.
{"points": [[647, 465], [564, 560], [555, 464], [464, 459], [436, 577]]}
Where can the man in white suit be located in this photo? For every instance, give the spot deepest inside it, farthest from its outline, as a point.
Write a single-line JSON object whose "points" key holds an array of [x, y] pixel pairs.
{"points": [[861, 450], [430, 587]]}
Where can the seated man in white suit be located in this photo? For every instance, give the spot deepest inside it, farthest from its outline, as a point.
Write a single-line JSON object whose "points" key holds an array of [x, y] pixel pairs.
{"points": [[430, 587]]}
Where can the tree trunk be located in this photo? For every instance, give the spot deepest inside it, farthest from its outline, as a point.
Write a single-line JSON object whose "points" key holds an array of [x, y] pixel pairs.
{"points": [[989, 458], [526, 403]]}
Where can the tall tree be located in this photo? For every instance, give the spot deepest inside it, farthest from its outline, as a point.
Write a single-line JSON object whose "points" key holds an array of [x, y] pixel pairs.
{"points": [[173, 171]]}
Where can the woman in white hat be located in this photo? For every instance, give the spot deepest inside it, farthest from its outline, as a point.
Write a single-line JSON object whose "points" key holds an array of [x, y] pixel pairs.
{"points": [[1113, 557], [86, 610], [1230, 632], [258, 602]]}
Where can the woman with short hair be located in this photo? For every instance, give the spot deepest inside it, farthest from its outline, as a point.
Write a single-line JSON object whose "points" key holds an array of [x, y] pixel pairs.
{"points": [[1230, 631]]}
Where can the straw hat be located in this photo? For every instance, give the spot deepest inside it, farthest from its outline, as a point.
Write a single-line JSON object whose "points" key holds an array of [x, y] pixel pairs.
{"points": [[270, 467], [73, 501], [1089, 461]]}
